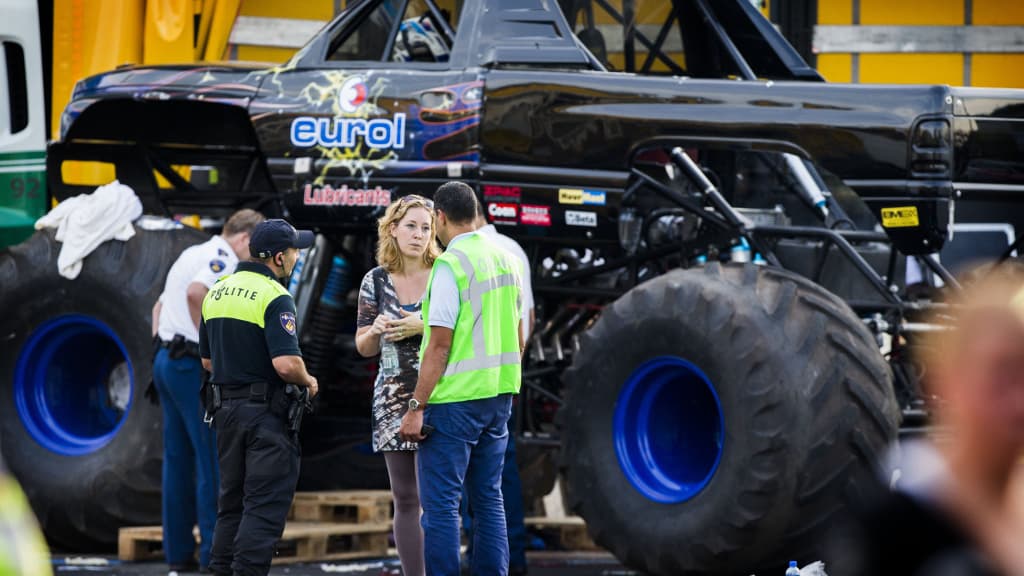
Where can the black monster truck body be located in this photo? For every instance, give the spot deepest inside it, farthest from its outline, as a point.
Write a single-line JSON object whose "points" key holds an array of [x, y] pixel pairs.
{"points": [[596, 174]]}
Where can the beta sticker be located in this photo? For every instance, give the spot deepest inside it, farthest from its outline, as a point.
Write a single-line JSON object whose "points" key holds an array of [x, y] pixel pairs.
{"points": [[531, 215], [502, 213], [580, 196], [577, 218], [288, 322], [900, 217]]}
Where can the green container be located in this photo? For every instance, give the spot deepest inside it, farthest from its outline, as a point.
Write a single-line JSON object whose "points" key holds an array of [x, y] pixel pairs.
{"points": [[23, 195]]}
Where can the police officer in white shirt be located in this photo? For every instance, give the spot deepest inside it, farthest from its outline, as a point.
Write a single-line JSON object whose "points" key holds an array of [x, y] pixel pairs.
{"points": [[190, 477]]}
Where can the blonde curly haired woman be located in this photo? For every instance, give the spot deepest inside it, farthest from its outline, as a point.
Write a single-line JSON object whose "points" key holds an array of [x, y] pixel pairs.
{"points": [[389, 324]]}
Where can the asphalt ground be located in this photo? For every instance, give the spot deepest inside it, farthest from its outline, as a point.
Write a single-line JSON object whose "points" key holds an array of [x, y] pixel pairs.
{"points": [[541, 564]]}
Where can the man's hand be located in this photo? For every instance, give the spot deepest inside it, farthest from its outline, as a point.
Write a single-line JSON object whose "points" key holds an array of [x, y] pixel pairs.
{"points": [[314, 387], [412, 424]]}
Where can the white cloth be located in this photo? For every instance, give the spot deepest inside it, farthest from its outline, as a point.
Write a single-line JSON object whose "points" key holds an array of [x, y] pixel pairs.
{"points": [[85, 221], [527, 288], [204, 264]]}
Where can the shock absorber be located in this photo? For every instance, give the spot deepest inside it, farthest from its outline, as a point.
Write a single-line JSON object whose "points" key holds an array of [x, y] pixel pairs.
{"points": [[326, 319]]}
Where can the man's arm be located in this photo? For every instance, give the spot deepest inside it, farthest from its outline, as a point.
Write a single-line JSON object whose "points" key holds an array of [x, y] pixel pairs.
{"points": [[157, 308], [435, 361], [195, 294], [292, 369]]}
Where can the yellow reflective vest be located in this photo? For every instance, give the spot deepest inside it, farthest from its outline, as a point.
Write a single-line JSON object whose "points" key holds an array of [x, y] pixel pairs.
{"points": [[484, 358], [22, 547]]}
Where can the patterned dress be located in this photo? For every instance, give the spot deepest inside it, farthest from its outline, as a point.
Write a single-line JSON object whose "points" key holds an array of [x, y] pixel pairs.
{"points": [[399, 361]]}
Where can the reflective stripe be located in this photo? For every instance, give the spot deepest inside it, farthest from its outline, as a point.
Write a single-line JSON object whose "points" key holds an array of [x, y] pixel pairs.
{"points": [[474, 295], [482, 363]]}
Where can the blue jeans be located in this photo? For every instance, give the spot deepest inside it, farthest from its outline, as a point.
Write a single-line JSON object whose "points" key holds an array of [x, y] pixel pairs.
{"points": [[467, 447], [190, 477], [512, 493]]}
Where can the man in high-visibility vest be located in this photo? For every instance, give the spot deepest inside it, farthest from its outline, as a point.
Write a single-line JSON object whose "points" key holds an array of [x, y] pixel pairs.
{"points": [[22, 547], [469, 370]]}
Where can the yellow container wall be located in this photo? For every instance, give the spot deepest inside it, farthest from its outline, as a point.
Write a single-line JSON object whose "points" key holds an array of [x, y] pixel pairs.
{"points": [[987, 69]]}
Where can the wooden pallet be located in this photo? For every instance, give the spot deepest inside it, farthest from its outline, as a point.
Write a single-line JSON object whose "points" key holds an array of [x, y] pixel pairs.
{"points": [[313, 542], [301, 542], [572, 531], [346, 506]]}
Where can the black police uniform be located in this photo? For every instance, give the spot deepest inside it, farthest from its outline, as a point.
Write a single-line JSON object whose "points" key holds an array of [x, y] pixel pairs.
{"points": [[249, 319]]}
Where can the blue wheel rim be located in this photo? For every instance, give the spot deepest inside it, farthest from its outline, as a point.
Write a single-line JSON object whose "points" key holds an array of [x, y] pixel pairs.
{"points": [[73, 384], [668, 430]]}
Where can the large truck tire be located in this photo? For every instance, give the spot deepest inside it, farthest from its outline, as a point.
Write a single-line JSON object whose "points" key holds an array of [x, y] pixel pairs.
{"points": [[718, 419], [75, 428]]}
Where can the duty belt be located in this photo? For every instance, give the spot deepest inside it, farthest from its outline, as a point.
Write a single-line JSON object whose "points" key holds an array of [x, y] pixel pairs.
{"points": [[257, 391], [179, 347]]}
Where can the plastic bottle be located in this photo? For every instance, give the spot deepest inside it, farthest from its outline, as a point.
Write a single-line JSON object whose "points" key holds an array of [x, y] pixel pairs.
{"points": [[793, 570]]}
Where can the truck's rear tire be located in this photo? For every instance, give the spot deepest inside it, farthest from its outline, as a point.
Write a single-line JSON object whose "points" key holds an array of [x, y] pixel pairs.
{"points": [[718, 419], [77, 357]]}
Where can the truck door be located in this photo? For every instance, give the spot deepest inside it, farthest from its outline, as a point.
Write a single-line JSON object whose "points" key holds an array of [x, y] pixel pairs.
{"points": [[373, 109], [22, 124]]}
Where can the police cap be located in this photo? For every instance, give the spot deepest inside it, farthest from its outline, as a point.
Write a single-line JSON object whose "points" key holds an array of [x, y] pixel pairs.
{"points": [[272, 236]]}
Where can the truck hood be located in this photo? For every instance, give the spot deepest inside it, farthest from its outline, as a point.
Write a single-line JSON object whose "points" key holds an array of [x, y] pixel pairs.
{"points": [[206, 81]]}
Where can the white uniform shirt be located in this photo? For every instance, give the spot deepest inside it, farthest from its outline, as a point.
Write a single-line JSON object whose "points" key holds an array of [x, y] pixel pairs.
{"points": [[203, 263]]}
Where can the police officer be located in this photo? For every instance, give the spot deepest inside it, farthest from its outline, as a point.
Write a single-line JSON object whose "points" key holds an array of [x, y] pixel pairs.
{"points": [[190, 450], [469, 370], [247, 339]]}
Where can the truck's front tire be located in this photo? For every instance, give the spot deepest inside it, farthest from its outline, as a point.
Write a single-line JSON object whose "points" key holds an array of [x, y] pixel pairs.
{"points": [[77, 358], [717, 419]]}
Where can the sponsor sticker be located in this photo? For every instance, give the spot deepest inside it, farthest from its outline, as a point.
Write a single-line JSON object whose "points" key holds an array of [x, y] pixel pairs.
{"points": [[502, 213], [532, 215], [491, 191], [288, 322], [900, 217], [352, 94], [376, 133], [577, 218], [217, 265], [582, 197], [345, 196]]}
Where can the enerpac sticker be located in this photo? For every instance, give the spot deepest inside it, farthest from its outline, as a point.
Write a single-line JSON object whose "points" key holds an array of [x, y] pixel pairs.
{"points": [[580, 196], [345, 196], [900, 217], [352, 94], [531, 215], [502, 213], [217, 265], [577, 218], [288, 322], [491, 191]]}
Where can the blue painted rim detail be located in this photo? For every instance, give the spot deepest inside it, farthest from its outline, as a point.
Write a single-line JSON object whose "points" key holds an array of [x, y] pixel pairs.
{"points": [[61, 387], [668, 430]]}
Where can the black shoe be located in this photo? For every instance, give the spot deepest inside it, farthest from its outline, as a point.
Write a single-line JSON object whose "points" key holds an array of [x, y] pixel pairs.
{"points": [[184, 567]]}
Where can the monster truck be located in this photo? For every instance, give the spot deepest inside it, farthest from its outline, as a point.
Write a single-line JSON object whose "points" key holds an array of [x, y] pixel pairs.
{"points": [[721, 256]]}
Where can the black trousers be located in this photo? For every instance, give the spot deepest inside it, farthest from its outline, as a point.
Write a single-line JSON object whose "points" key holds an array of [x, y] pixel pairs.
{"points": [[259, 467]]}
